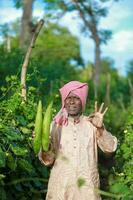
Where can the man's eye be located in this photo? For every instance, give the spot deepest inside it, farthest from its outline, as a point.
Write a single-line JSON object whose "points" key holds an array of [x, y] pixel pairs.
{"points": [[72, 98], [68, 99], [76, 98]]}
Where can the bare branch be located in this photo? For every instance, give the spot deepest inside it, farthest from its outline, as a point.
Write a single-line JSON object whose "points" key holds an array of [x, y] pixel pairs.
{"points": [[27, 57]]}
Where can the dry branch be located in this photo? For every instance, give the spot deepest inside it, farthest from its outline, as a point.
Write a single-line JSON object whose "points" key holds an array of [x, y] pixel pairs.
{"points": [[27, 57]]}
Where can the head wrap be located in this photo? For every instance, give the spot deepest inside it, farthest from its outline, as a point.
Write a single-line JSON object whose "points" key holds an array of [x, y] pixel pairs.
{"points": [[79, 89]]}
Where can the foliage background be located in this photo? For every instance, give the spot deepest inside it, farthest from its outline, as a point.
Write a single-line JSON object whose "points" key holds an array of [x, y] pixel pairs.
{"points": [[53, 63]]}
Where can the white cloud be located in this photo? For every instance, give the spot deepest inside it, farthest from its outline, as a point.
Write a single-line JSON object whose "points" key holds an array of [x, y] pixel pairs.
{"points": [[69, 20], [38, 13], [120, 48], [9, 14], [115, 17], [121, 42]]}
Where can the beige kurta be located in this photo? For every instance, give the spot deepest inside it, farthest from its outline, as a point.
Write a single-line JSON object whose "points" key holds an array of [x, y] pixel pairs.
{"points": [[74, 175]]}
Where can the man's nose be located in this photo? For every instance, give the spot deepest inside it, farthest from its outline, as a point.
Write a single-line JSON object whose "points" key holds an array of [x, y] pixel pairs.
{"points": [[71, 100]]}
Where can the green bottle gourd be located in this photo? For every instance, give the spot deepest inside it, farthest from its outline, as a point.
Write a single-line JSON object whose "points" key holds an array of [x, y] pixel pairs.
{"points": [[46, 127]]}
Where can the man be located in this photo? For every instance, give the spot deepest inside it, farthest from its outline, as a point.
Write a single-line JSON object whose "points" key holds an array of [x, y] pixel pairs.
{"points": [[74, 141]]}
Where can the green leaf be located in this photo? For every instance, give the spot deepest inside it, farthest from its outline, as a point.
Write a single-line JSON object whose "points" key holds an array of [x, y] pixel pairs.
{"points": [[19, 151], [18, 3], [120, 188], [25, 165], [2, 176], [25, 130], [2, 158], [2, 194], [21, 120], [12, 134], [11, 162]]}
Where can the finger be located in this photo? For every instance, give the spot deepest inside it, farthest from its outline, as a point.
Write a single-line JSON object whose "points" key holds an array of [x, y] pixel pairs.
{"points": [[95, 106], [101, 107], [91, 115], [105, 111], [89, 119]]}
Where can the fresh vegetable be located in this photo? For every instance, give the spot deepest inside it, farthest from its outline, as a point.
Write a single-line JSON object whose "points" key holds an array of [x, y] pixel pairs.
{"points": [[46, 127]]}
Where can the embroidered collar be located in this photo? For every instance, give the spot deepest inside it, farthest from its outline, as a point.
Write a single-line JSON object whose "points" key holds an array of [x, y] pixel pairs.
{"points": [[75, 121]]}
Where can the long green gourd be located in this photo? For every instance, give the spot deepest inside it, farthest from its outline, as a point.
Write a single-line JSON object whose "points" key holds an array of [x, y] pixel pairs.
{"points": [[46, 127], [38, 129]]}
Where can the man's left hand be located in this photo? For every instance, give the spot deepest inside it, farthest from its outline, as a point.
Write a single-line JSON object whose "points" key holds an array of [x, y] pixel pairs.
{"points": [[97, 117]]}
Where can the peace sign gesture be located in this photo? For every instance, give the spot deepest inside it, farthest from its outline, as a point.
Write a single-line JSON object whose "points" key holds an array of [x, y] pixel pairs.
{"points": [[97, 117]]}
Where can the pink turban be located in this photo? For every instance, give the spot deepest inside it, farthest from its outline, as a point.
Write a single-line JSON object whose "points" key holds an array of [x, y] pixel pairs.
{"points": [[79, 89]]}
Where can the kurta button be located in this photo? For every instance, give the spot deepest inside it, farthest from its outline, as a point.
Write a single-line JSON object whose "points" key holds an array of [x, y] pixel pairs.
{"points": [[74, 147]]}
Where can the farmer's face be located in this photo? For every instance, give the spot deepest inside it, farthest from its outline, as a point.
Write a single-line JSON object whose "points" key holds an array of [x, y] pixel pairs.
{"points": [[73, 105]]}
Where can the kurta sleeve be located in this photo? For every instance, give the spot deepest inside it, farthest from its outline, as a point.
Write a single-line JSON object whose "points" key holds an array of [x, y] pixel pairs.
{"points": [[106, 141]]}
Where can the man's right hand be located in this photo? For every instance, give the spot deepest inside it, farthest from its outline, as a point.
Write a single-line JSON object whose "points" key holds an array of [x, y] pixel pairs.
{"points": [[46, 158]]}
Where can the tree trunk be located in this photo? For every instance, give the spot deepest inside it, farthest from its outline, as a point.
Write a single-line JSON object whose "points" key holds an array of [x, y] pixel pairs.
{"points": [[91, 24], [107, 96], [26, 34], [8, 47], [97, 62], [131, 91]]}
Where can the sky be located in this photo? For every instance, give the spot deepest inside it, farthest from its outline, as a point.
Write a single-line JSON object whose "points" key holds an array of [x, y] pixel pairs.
{"points": [[119, 21]]}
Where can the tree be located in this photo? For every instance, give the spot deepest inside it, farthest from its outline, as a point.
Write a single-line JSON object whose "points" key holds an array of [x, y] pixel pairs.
{"points": [[90, 12], [130, 78], [26, 21]]}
